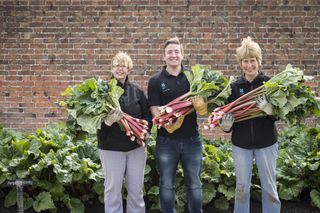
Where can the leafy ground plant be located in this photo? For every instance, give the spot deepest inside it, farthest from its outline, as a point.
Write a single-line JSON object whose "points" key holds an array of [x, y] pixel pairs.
{"points": [[298, 165], [63, 171], [66, 171]]}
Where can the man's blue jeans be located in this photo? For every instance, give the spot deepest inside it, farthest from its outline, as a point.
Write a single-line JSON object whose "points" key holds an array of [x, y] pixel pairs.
{"points": [[265, 159], [168, 154]]}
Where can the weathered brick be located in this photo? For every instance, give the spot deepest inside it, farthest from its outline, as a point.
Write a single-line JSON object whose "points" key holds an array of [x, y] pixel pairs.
{"points": [[47, 46]]}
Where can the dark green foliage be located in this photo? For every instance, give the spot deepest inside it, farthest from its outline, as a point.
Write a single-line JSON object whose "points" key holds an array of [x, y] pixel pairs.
{"points": [[66, 169]]}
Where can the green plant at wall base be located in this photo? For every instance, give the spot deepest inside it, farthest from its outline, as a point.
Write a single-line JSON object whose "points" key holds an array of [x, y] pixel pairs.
{"points": [[66, 170], [63, 170], [218, 176], [299, 163], [151, 180]]}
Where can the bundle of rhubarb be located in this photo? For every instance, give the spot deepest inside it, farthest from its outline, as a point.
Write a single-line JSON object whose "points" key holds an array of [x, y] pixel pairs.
{"points": [[290, 98], [209, 84], [90, 102]]}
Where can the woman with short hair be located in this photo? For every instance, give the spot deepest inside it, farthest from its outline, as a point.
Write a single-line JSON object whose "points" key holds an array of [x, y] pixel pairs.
{"points": [[253, 139], [121, 157]]}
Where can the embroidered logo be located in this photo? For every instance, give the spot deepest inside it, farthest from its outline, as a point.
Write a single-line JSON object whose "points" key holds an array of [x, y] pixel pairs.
{"points": [[241, 91], [164, 87]]}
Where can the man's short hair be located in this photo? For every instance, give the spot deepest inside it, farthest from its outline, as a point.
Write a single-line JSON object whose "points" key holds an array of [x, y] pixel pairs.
{"points": [[174, 40]]}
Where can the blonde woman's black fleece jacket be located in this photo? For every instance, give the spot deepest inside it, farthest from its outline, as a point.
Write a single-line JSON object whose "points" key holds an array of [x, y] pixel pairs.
{"points": [[257, 132]]}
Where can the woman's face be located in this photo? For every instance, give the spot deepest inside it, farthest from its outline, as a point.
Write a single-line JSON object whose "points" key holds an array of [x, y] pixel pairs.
{"points": [[120, 73], [250, 68]]}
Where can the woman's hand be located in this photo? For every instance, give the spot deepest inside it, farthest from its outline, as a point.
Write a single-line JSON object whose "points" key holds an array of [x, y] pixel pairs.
{"points": [[114, 116]]}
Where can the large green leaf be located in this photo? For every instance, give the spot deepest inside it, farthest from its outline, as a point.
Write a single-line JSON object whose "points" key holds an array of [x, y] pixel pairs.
{"points": [[292, 100], [154, 191], [208, 193], [221, 203], [278, 98], [290, 76], [11, 198], [76, 206], [21, 145], [43, 201], [315, 198], [229, 193], [292, 191], [90, 123]]}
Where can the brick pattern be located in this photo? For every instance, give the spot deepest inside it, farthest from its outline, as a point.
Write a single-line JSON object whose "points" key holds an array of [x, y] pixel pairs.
{"points": [[48, 45]]}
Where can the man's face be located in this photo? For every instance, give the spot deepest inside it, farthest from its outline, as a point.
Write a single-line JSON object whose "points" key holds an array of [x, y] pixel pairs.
{"points": [[173, 55]]}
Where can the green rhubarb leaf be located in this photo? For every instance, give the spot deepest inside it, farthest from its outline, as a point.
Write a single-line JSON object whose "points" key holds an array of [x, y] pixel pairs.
{"points": [[294, 101], [189, 76], [229, 193], [57, 189], [206, 89], [221, 203], [284, 111], [315, 198], [153, 191], [278, 99], [91, 123], [289, 76], [63, 175], [2, 176], [314, 166], [43, 201], [76, 206], [207, 83], [98, 187], [22, 173], [208, 192], [147, 169], [289, 193], [11, 198], [221, 98], [27, 202], [115, 92], [21, 145]]}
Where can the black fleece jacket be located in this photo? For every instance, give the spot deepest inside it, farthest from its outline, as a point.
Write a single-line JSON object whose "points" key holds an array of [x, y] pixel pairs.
{"points": [[257, 132], [134, 103]]}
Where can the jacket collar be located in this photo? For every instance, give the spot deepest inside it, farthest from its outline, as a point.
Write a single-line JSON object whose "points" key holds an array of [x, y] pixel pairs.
{"points": [[122, 85], [164, 69], [243, 80]]}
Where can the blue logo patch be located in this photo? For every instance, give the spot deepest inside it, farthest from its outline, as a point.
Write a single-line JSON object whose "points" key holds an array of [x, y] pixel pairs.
{"points": [[241, 91], [164, 87]]}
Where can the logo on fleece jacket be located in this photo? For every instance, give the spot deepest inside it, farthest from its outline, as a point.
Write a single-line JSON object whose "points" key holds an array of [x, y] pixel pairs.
{"points": [[241, 91], [164, 88]]}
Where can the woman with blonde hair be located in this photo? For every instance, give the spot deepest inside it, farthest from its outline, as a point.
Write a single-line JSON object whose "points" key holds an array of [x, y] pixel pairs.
{"points": [[120, 157], [253, 139]]}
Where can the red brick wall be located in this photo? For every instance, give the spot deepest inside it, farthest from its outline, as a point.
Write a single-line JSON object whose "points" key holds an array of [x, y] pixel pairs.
{"points": [[47, 45]]}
